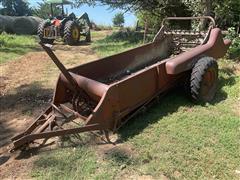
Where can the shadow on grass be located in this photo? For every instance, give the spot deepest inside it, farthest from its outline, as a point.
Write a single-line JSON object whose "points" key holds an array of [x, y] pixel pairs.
{"points": [[27, 100], [170, 104], [167, 105], [20, 49], [80, 43], [4, 159], [83, 43], [119, 156], [228, 80], [25, 97]]}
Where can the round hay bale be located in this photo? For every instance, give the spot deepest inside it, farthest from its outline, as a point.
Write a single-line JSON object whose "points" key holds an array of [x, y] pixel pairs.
{"points": [[2, 27], [26, 25], [6, 23]]}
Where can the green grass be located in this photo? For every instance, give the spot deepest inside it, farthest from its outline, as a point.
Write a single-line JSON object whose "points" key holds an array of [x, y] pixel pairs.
{"points": [[82, 162], [14, 46], [200, 142], [174, 138], [96, 34], [118, 42]]}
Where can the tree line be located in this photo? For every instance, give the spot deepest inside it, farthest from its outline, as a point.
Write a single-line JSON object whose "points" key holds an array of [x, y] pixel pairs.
{"points": [[226, 12], [22, 8]]}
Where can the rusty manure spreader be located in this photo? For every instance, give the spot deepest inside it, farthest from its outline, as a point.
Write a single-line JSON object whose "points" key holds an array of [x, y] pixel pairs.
{"points": [[106, 93]]}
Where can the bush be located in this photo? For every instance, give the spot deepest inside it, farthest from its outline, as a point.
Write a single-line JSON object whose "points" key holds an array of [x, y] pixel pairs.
{"points": [[127, 35], [102, 27], [234, 50], [118, 20]]}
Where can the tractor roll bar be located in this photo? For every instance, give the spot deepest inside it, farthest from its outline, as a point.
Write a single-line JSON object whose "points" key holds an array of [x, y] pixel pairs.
{"points": [[189, 18]]}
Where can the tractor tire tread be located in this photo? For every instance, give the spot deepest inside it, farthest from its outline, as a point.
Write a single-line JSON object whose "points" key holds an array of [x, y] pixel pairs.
{"points": [[40, 33], [67, 33], [198, 72]]}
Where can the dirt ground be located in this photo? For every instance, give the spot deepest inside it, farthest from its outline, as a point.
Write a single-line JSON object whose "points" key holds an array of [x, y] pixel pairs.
{"points": [[26, 88]]}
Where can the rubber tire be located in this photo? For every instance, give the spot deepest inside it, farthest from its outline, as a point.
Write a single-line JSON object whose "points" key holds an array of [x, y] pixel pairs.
{"points": [[200, 69], [69, 25], [41, 27], [88, 36]]}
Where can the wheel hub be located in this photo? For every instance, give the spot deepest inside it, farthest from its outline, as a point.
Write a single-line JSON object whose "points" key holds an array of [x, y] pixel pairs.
{"points": [[75, 33]]}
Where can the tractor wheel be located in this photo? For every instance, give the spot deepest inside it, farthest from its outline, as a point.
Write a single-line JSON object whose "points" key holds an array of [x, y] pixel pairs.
{"points": [[71, 33], [40, 32], [204, 78], [88, 36]]}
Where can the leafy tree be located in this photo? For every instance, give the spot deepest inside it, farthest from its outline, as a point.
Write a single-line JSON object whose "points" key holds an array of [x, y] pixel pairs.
{"points": [[15, 8], [234, 50], [118, 20], [78, 3], [146, 19], [44, 9], [168, 9], [22, 8], [226, 12], [7, 7]]}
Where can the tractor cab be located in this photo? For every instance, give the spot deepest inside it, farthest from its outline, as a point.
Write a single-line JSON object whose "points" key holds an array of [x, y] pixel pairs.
{"points": [[58, 16], [62, 25], [60, 5]]}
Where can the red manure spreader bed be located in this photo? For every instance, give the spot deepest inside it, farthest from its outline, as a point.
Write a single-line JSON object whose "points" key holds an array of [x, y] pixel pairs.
{"points": [[106, 93]]}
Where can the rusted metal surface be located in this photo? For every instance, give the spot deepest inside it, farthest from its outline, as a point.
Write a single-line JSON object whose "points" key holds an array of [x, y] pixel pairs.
{"points": [[106, 93], [190, 18], [215, 47]]}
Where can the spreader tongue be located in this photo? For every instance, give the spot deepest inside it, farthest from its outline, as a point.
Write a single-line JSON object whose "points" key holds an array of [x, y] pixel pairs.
{"points": [[51, 122], [61, 67], [72, 82]]}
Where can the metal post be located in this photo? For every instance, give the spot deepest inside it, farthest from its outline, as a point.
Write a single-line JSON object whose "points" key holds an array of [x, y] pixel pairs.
{"points": [[51, 10]]}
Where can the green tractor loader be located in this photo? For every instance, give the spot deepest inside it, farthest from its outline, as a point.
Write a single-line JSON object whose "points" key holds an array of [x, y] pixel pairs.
{"points": [[67, 27]]}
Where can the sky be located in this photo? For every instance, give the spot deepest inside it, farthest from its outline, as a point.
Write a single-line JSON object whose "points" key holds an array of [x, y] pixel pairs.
{"points": [[99, 14]]}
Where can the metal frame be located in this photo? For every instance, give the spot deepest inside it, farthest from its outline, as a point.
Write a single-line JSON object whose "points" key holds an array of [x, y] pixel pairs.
{"points": [[190, 18], [185, 39]]}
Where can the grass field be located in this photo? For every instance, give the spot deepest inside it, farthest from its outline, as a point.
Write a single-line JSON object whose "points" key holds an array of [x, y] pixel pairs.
{"points": [[13, 46], [118, 42], [174, 139]]}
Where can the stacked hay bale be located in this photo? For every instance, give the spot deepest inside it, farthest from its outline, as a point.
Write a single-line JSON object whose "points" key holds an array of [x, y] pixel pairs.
{"points": [[26, 25], [1, 26], [20, 24], [6, 23]]}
